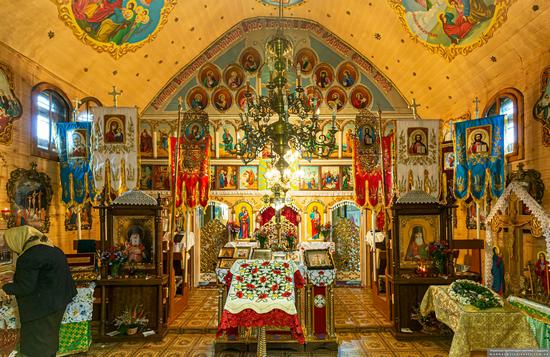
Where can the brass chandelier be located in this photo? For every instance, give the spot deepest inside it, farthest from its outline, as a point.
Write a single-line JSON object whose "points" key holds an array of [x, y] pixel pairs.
{"points": [[284, 120]]}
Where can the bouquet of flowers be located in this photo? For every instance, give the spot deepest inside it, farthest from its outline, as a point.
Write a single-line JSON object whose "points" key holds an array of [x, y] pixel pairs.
{"points": [[131, 319], [326, 230], [439, 253], [469, 292], [114, 255], [291, 238], [261, 236]]}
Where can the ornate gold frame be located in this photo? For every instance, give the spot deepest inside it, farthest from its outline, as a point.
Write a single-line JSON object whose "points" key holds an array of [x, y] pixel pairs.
{"points": [[65, 13], [6, 136], [449, 53]]}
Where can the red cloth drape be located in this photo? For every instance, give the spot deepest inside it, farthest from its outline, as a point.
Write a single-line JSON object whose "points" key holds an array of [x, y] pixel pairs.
{"points": [[193, 183], [290, 214], [320, 313]]}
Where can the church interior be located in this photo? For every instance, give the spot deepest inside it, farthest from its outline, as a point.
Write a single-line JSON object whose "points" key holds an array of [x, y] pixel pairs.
{"points": [[283, 177]]}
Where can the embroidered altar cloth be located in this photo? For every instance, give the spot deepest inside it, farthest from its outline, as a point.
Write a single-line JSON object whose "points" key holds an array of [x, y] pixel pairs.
{"points": [[474, 329], [262, 293]]}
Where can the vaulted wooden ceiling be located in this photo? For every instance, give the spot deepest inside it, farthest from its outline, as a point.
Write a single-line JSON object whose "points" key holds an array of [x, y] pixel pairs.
{"points": [[444, 88]]}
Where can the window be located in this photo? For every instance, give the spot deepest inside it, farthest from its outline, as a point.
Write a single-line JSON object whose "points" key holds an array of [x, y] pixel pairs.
{"points": [[85, 109], [509, 102], [49, 106]]}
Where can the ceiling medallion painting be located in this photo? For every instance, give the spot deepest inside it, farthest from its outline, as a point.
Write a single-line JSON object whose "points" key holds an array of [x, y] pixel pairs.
{"points": [[115, 26], [452, 27]]}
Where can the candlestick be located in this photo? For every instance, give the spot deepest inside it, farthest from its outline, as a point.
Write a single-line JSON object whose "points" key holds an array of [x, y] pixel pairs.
{"points": [[334, 116], [259, 84]]}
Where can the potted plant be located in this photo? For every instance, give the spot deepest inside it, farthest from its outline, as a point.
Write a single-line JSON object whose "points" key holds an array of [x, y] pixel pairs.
{"points": [[112, 259], [131, 320]]}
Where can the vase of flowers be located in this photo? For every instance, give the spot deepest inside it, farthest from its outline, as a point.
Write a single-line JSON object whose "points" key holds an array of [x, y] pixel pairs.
{"points": [[232, 230], [113, 258], [290, 240], [131, 320], [439, 254], [326, 229], [261, 237]]}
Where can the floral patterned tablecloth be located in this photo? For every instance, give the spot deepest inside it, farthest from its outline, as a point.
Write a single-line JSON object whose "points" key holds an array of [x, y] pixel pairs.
{"points": [[321, 278], [262, 293], [475, 329]]}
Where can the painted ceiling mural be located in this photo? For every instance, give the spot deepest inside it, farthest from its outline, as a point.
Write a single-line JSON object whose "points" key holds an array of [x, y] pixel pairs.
{"points": [[332, 72], [452, 27], [115, 26]]}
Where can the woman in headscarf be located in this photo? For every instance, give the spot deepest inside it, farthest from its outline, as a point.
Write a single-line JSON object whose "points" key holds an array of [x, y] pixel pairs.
{"points": [[42, 285]]}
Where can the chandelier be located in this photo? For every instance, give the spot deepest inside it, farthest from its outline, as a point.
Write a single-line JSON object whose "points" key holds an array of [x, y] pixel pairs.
{"points": [[283, 120]]}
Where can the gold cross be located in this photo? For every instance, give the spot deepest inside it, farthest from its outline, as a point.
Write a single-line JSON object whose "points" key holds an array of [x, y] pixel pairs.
{"points": [[476, 102], [413, 106], [115, 94]]}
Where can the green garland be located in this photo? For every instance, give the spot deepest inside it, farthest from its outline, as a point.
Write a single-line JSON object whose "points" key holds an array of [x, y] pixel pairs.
{"points": [[536, 314], [468, 292]]}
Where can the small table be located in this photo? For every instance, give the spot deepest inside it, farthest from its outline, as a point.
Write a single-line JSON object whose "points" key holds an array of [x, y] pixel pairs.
{"points": [[262, 293], [475, 329]]}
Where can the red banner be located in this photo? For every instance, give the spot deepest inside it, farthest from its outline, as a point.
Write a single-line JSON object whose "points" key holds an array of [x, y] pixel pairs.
{"points": [[368, 173], [193, 182]]}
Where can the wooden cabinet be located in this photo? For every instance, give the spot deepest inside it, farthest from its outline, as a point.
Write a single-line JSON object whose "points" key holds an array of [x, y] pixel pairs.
{"points": [[132, 224]]}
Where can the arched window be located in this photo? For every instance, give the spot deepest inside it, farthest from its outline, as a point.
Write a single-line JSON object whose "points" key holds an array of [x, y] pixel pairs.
{"points": [[509, 102], [49, 106], [85, 108]]}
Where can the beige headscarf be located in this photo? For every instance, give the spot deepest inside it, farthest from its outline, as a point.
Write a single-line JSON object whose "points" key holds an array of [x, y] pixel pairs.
{"points": [[18, 238]]}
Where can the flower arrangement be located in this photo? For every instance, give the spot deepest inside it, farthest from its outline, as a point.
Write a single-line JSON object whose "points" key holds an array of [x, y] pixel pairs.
{"points": [[131, 319], [113, 257], [469, 292], [439, 253], [326, 229], [291, 238], [261, 236]]}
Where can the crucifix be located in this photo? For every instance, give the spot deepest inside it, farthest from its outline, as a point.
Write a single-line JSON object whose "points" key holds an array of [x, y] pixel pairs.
{"points": [[115, 95], [476, 102], [413, 106], [77, 102]]}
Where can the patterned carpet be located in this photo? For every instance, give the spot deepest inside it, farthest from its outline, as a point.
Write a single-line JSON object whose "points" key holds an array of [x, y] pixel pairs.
{"points": [[361, 329]]}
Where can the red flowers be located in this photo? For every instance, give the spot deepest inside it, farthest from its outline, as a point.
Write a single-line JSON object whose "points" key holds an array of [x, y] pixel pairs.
{"points": [[254, 270], [250, 286], [276, 271], [287, 294], [286, 265], [239, 294], [274, 287], [288, 278], [239, 278], [262, 279], [265, 263], [321, 273], [262, 296], [244, 265]]}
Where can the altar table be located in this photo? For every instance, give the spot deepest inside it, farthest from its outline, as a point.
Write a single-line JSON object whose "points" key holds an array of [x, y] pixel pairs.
{"points": [[475, 329], [262, 293]]}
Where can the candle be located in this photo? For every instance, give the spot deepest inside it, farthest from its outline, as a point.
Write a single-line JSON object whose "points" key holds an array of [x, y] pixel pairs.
{"points": [[154, 144]]}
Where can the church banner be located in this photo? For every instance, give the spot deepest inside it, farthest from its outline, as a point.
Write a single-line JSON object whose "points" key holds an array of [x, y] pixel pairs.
{"points": [[114, 141], [73, 141], [193, 181], [417, 151], [479, 153], [370, 157]]}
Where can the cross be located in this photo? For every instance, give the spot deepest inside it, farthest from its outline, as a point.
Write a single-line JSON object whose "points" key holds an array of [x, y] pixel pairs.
{"points": [[115, 94], [413, 106], [476, 102], [77, 103]]}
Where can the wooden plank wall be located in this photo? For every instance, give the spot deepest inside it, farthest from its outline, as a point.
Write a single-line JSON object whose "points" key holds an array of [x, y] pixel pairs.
{"points": [[26, 75]]}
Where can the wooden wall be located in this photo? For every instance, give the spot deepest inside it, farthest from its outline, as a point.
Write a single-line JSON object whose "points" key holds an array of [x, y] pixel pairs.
{"points": [[26, 75]]}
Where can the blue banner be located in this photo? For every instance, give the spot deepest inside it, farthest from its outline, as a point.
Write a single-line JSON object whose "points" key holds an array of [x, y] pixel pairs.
{"points": [[479, 152], [73, 148]]}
